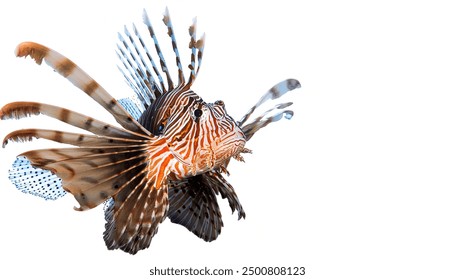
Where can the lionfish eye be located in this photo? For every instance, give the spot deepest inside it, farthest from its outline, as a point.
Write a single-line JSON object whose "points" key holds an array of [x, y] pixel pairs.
{"points": [[197, 113], [219, 103], [161, 128]]}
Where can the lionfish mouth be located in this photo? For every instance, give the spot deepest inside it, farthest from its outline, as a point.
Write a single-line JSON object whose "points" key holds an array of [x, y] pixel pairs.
{"points": [[231, 146], [213, 155]]}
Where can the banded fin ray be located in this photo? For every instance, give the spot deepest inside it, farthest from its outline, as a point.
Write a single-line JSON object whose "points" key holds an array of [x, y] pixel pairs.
{"points": [[261, 121], [133, 215], [131, 173], [91, 174], [195, 45], [157, 89], [170, 31], [164, 68], [75, 139], [18, 110], [133, 79], [275, 92], [80, 79], [136, 68]]}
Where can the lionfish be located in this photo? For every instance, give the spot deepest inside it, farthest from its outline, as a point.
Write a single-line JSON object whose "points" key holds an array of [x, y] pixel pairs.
{"points": [[166, 160]]}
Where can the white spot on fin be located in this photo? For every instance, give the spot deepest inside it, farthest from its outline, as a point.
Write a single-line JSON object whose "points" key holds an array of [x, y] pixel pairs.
{"points": [[108, 204], [36, 181]]}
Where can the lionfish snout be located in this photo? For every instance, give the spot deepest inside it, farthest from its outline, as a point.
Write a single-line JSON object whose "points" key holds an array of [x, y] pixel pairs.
{"points": [[231, 144], [231, 137], [220, 151], [221, 138]]}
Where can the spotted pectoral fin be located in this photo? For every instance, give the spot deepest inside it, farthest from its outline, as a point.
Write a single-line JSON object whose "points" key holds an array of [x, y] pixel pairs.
{"points": [[134, 214], [91, 175], [35, 181], [193, 204]]}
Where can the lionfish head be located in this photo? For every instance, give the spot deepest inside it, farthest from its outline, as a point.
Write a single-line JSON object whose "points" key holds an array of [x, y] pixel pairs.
{"points": [[201, 135], [217, 137]]}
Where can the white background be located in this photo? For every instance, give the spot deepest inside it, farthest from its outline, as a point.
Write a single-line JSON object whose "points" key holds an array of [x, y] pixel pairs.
{"points": [[358, 185]]}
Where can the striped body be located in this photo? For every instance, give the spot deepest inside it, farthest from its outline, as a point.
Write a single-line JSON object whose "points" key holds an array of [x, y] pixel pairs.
{"points": [[166, 159]]}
